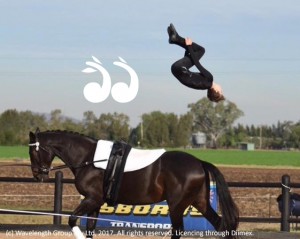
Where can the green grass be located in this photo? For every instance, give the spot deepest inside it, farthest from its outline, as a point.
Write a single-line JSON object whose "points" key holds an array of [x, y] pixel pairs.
{"points": [[220, 157], [14, 152], [249, 158]]}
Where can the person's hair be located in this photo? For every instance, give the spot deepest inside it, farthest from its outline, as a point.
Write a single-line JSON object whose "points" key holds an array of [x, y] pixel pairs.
{"points": [[214, 96]]}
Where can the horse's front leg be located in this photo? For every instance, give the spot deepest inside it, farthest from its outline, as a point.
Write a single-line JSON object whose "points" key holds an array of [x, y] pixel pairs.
{"points": [[87, 206], [91, 224]]}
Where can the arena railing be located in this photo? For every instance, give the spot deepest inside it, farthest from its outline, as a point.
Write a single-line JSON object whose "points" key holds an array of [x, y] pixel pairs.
{"points": [[285, 186]]}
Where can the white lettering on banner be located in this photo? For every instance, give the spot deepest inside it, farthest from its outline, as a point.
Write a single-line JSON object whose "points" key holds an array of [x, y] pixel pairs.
{"points": [[142, 225]]}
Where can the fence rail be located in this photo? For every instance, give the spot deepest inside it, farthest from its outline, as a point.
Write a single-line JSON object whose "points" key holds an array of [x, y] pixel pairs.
{"points": [[285, 186]]}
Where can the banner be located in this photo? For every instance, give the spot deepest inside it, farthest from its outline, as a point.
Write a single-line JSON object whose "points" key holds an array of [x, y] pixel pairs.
{"points": [[151, 217]]}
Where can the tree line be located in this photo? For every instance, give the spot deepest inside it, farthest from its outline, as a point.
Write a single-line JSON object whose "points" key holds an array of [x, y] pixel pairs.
{"points": [[157, 129]]}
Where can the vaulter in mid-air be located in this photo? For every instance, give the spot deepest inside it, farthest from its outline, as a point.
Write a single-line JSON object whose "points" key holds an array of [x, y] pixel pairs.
{"points": [[202, 80]]}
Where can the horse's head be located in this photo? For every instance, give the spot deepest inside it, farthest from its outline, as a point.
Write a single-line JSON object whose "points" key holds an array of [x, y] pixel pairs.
{"points": [[41, 156]]}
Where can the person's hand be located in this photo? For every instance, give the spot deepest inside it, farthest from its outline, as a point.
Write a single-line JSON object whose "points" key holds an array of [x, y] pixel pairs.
{"points": [[188, 41], [216, 88]]}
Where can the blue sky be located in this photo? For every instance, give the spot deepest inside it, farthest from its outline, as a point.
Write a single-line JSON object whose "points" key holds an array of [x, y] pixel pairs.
{"points": [[252, 49]]}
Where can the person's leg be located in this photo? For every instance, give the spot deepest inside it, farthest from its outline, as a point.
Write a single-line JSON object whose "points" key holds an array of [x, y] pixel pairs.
{"points": [[198, 50], [180, 69], [175, 38]]}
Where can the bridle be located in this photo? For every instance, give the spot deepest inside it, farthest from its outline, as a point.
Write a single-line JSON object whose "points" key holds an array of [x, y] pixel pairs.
{"points": [[42, 169], [38, 146], [46, 170]]}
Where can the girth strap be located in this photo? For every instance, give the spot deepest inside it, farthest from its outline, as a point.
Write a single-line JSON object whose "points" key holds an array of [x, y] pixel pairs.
{"points": [[114, 171]]}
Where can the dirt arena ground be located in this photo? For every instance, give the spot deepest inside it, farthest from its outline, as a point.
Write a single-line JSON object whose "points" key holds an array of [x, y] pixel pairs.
{"points": [[251, 202], [68, 235]]}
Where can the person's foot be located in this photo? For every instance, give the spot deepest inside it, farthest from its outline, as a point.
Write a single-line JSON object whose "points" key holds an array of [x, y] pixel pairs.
{"points": [[169, 33], [173, 35]]}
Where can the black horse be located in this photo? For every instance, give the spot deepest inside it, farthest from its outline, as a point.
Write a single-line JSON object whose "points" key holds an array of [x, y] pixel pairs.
{"points": [[177, 177]]}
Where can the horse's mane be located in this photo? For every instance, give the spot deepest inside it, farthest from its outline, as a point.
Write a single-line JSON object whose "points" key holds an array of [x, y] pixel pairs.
{"points": [[69, 133]]}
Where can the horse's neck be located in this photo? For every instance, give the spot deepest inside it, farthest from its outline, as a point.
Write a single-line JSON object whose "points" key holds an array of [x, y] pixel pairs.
{"points": [[67, 149]]}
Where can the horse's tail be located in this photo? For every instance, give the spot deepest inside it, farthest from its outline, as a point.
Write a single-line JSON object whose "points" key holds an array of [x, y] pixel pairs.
{"points": [[229, 210]]}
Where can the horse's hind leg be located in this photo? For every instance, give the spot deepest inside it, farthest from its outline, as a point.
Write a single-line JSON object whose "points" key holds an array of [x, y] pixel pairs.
{"points": [[208, 212], [177, 207], [177, 223]]}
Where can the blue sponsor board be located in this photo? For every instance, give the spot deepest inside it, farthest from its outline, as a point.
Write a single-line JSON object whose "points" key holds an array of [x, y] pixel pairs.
{"points": [[151, 217]]}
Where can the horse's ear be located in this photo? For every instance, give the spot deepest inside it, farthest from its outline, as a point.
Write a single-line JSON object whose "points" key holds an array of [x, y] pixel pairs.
{"points": [[37, 130], [31, 136]]}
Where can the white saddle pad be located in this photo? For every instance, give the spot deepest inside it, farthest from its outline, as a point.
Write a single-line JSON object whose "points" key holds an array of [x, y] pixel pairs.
{"points": [[137, 158]]}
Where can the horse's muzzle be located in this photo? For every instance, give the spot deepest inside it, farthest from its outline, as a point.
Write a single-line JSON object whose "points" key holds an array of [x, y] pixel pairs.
{"points": [[41, 177]]}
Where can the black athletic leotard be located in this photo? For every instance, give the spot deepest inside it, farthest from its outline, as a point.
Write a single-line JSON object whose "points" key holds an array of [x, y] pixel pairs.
{"points": [[197, 80]]}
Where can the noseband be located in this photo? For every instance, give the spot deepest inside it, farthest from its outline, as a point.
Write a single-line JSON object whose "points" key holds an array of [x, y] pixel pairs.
{"points": [[37, 146]]}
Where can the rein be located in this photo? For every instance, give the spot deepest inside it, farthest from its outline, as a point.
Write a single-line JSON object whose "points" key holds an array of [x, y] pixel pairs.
{"points": [[46, 170], [56, 167], [79, 166], [37, 146], [67, 166]]}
